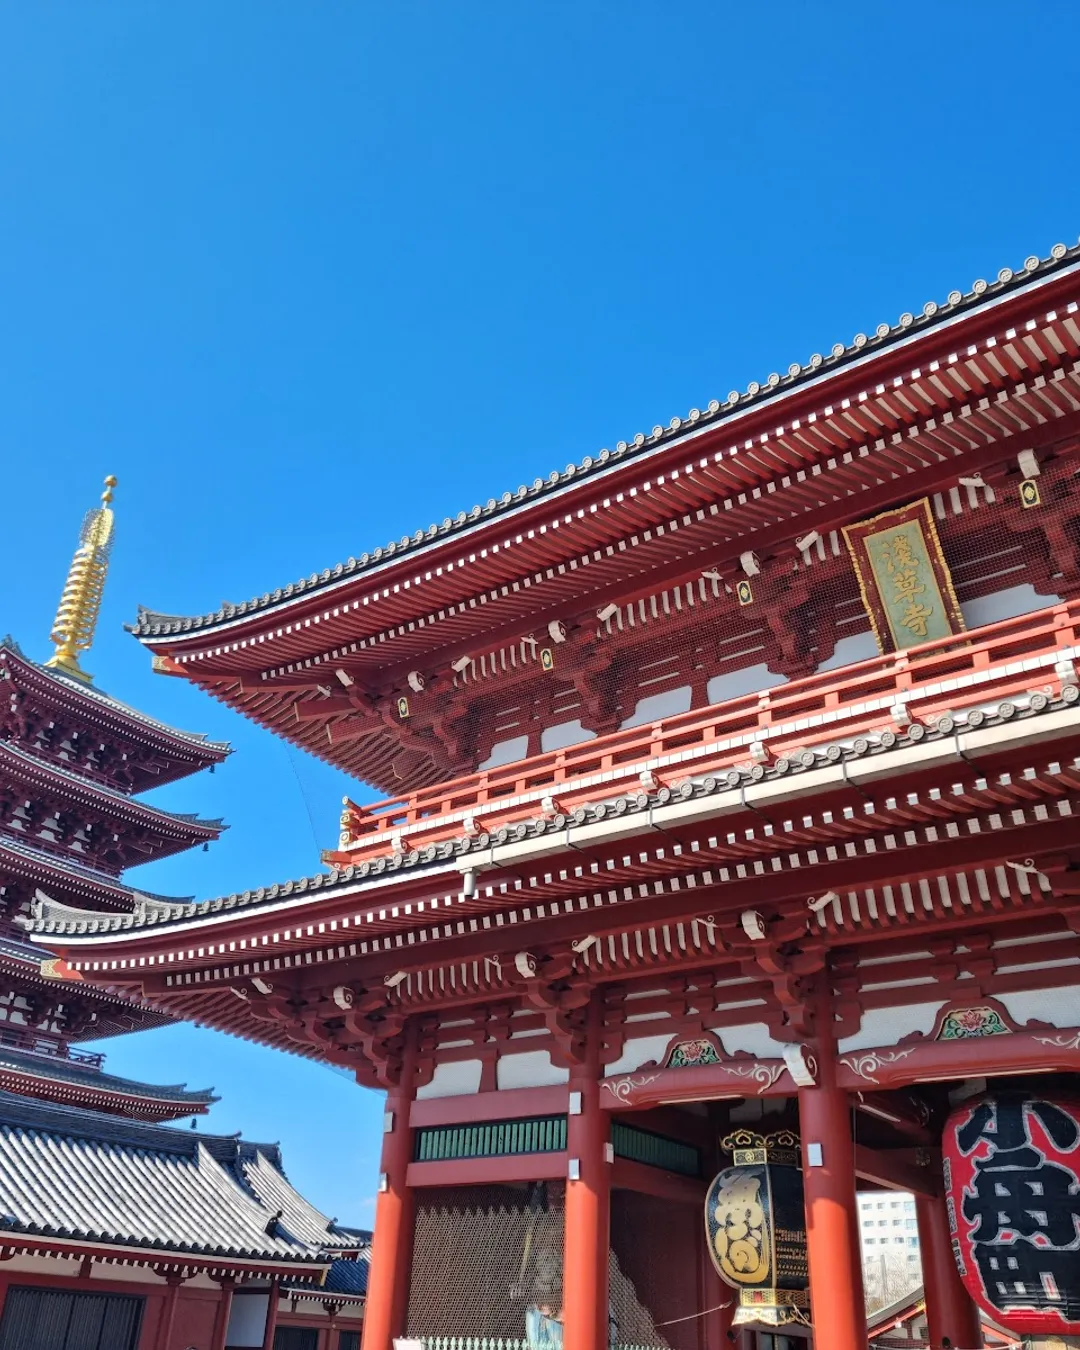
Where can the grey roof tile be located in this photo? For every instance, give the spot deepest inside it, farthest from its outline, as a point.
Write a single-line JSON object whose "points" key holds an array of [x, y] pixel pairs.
{"points": [[70, 1173], [150, 624]]}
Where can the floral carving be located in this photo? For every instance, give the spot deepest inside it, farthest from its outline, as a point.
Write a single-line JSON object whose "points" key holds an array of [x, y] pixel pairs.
{"points": [[692, 1054], [961, 1024]]}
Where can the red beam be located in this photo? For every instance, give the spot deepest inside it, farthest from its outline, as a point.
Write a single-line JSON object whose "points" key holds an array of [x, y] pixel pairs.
{"points": [[481, 1171]]}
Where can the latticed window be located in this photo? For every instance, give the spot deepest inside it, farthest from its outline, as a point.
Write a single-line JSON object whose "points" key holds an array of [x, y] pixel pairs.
{"points": [[487, 1266]]}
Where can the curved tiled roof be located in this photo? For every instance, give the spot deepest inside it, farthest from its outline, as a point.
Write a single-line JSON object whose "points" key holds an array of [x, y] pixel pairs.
{"points": [[24, 1062], [75, 923], [150, 624], [96, 794], [67, 684], [72, 1174]]}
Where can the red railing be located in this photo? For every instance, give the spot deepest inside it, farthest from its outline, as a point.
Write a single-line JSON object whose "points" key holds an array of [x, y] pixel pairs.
{"points": [[985, 665], [28, 1040]]}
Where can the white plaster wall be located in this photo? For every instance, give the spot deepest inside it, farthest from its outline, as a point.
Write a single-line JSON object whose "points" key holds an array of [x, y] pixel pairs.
{"points": [[638, 1051], [1005, 604], [885, 1026], [532, 1068], [753, 1037], [460, 1078], [735, 683], [1059, 1007], [563, 734]]}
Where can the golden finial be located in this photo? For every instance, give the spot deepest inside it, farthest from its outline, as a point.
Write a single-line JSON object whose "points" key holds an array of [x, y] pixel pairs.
{"points": [[76, 618]]}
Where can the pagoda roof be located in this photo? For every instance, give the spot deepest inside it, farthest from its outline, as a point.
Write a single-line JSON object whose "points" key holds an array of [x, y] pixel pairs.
{"points": [[173, 831], [72, 1175], [118, 1012], [185, 752], [72, 877], [28, 1073], [642, 448]]}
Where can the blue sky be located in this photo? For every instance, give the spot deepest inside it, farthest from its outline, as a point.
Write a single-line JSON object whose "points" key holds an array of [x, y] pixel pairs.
{"points": [[307, 276]]}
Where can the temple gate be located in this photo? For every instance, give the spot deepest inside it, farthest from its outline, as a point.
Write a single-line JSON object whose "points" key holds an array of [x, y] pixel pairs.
{"points": [[735, 790]]}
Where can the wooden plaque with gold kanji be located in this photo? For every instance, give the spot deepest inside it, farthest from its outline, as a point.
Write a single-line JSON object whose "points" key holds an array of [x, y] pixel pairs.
{"points": [[903, 576]]}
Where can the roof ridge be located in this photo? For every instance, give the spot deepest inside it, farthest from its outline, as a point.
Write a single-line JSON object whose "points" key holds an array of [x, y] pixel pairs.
{"points": [[150, 623]]}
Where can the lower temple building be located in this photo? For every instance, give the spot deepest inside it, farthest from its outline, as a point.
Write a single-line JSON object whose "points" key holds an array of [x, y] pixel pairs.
{"points": [[730, 864], [118, 1230]]}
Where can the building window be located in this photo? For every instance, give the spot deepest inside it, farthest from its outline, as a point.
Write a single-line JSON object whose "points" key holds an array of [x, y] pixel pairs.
{"points": [[55, 1319], [349, 1340]]}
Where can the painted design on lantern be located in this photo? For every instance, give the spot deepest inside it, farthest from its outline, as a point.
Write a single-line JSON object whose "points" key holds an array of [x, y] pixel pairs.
{"points": [[963, 1024], [1013, 1169], [691, 1054], [739, 1239]]}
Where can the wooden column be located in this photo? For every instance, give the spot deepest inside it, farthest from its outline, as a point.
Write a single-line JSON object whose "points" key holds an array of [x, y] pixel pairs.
{"points": [[586, 1237], [387, 1304], [221, 1317], [168, 1311], [837, 1308], [271, 1316], [715, 1294], [951, 1316]]}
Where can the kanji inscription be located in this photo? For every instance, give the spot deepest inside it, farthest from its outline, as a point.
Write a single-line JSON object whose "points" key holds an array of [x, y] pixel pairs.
{"points": [[1012, 1168]]}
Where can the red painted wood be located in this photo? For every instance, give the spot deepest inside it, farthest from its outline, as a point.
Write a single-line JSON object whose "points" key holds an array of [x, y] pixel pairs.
{"points": [[634, 1176], [221, 1317], [391, 1253], [832, 1220], [588, 1205], [950, 1311], [510, 1104], [479, 1171], [168, 1312], [271, 1317]]}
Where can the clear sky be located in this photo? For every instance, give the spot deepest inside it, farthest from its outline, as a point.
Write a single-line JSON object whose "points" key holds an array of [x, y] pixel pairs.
{"points": [[307, 276]]}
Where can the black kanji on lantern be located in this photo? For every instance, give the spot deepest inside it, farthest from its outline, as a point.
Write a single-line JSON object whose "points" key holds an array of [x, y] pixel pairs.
{"points": [[1023, 1208]]}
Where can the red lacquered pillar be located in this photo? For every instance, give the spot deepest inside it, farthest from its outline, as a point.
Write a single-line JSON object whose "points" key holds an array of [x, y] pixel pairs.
{"points": [[272, 1301], [832, 1221], [387, 1304], [221, 1317], [168, 1311], [950, 1313], [586, 1238]]}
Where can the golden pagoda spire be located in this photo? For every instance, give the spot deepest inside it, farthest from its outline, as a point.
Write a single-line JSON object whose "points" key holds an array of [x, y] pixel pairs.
{"points": [[76, 618]]}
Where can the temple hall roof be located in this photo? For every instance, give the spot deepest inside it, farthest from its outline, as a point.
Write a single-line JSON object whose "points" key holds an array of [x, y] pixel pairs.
{"points": [[152, 626], [28, 1073], [77, 1175]]}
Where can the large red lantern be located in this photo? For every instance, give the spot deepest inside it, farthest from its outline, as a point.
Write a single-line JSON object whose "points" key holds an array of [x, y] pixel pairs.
{"points": [[1012, 1172]]}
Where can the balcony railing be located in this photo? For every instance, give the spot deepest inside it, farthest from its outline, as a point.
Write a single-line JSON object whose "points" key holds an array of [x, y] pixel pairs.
{"points": [[33, 1042], [1032, 653]]}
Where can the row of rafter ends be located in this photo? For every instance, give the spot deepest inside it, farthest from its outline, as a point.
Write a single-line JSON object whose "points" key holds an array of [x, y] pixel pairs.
{"points": [[151, 624], [194, 740], [340, 879]]}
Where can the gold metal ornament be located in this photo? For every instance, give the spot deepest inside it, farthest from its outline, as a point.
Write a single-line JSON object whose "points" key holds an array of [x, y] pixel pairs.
{"points": [[80, 603], [744, 592], [1029, 494]]}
